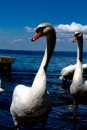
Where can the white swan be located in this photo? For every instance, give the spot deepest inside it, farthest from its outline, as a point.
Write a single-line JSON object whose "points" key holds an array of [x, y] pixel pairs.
{"points": [[67, 72], [78, 88], [33, 105]]}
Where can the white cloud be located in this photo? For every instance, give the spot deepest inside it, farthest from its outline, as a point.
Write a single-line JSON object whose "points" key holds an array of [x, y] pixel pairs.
{"points": [[29, 29], [64, 28], [17, 40], [85, 36], [65, 32], [2, 32], [58, 40], [70, 28]]}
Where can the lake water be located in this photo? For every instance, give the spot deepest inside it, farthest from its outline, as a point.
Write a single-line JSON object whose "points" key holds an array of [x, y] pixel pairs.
{"points": [[23, 72]]}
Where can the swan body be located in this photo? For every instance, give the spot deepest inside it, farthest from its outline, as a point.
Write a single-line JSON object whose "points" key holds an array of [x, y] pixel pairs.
{"points": [[67, 72], [78, 88], [31, 105]]}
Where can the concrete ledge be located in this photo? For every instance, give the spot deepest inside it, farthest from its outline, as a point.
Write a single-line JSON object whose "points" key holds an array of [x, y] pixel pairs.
{"points": [[6, 59], [6, 63]]}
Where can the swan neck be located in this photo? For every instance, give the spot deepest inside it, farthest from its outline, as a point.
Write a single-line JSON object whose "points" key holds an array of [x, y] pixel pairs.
{"points": [[78, 69], [80, 50], [51, 40], [41, 74]]}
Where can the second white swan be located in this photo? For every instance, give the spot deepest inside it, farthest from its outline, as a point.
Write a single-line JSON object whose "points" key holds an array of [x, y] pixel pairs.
{"points": [[78, 88]]}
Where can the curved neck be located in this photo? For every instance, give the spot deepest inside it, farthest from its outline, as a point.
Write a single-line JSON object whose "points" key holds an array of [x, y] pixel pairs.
{"points": [[51, 40], [78, 70], [80, 50], [40, 79]]}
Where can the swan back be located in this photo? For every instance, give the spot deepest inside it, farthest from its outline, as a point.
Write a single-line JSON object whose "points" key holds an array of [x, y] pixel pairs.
{"points": [[67, 73]]}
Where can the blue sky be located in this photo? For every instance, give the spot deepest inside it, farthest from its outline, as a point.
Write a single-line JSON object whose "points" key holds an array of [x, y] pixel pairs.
{"points": [[19, 18]]}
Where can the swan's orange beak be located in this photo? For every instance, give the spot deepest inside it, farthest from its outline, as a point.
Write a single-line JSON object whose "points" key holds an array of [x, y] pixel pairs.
{"points": [[74, 39], [37, 35]]}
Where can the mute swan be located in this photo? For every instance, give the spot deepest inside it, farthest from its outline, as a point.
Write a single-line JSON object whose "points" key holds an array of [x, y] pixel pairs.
{"points": [[31, 105], [67, 72], [78, 88]]}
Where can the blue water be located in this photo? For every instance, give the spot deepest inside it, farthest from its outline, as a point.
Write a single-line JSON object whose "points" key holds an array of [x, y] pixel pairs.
{"points": [[23, 72]]}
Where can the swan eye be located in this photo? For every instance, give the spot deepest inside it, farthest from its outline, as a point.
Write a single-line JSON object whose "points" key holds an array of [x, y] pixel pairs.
{"points": [[77, 35], [39, 29]]}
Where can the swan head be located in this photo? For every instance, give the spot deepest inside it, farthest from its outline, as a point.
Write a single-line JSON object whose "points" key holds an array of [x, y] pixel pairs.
{"points": [[44, 29], [77, 36]]}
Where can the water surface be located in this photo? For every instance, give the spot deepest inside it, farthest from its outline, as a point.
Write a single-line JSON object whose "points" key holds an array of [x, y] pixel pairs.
{"points": [[23, 72]]}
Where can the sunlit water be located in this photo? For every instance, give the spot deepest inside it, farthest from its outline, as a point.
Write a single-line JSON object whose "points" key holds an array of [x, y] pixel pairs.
{"points": [[23, 72]]}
